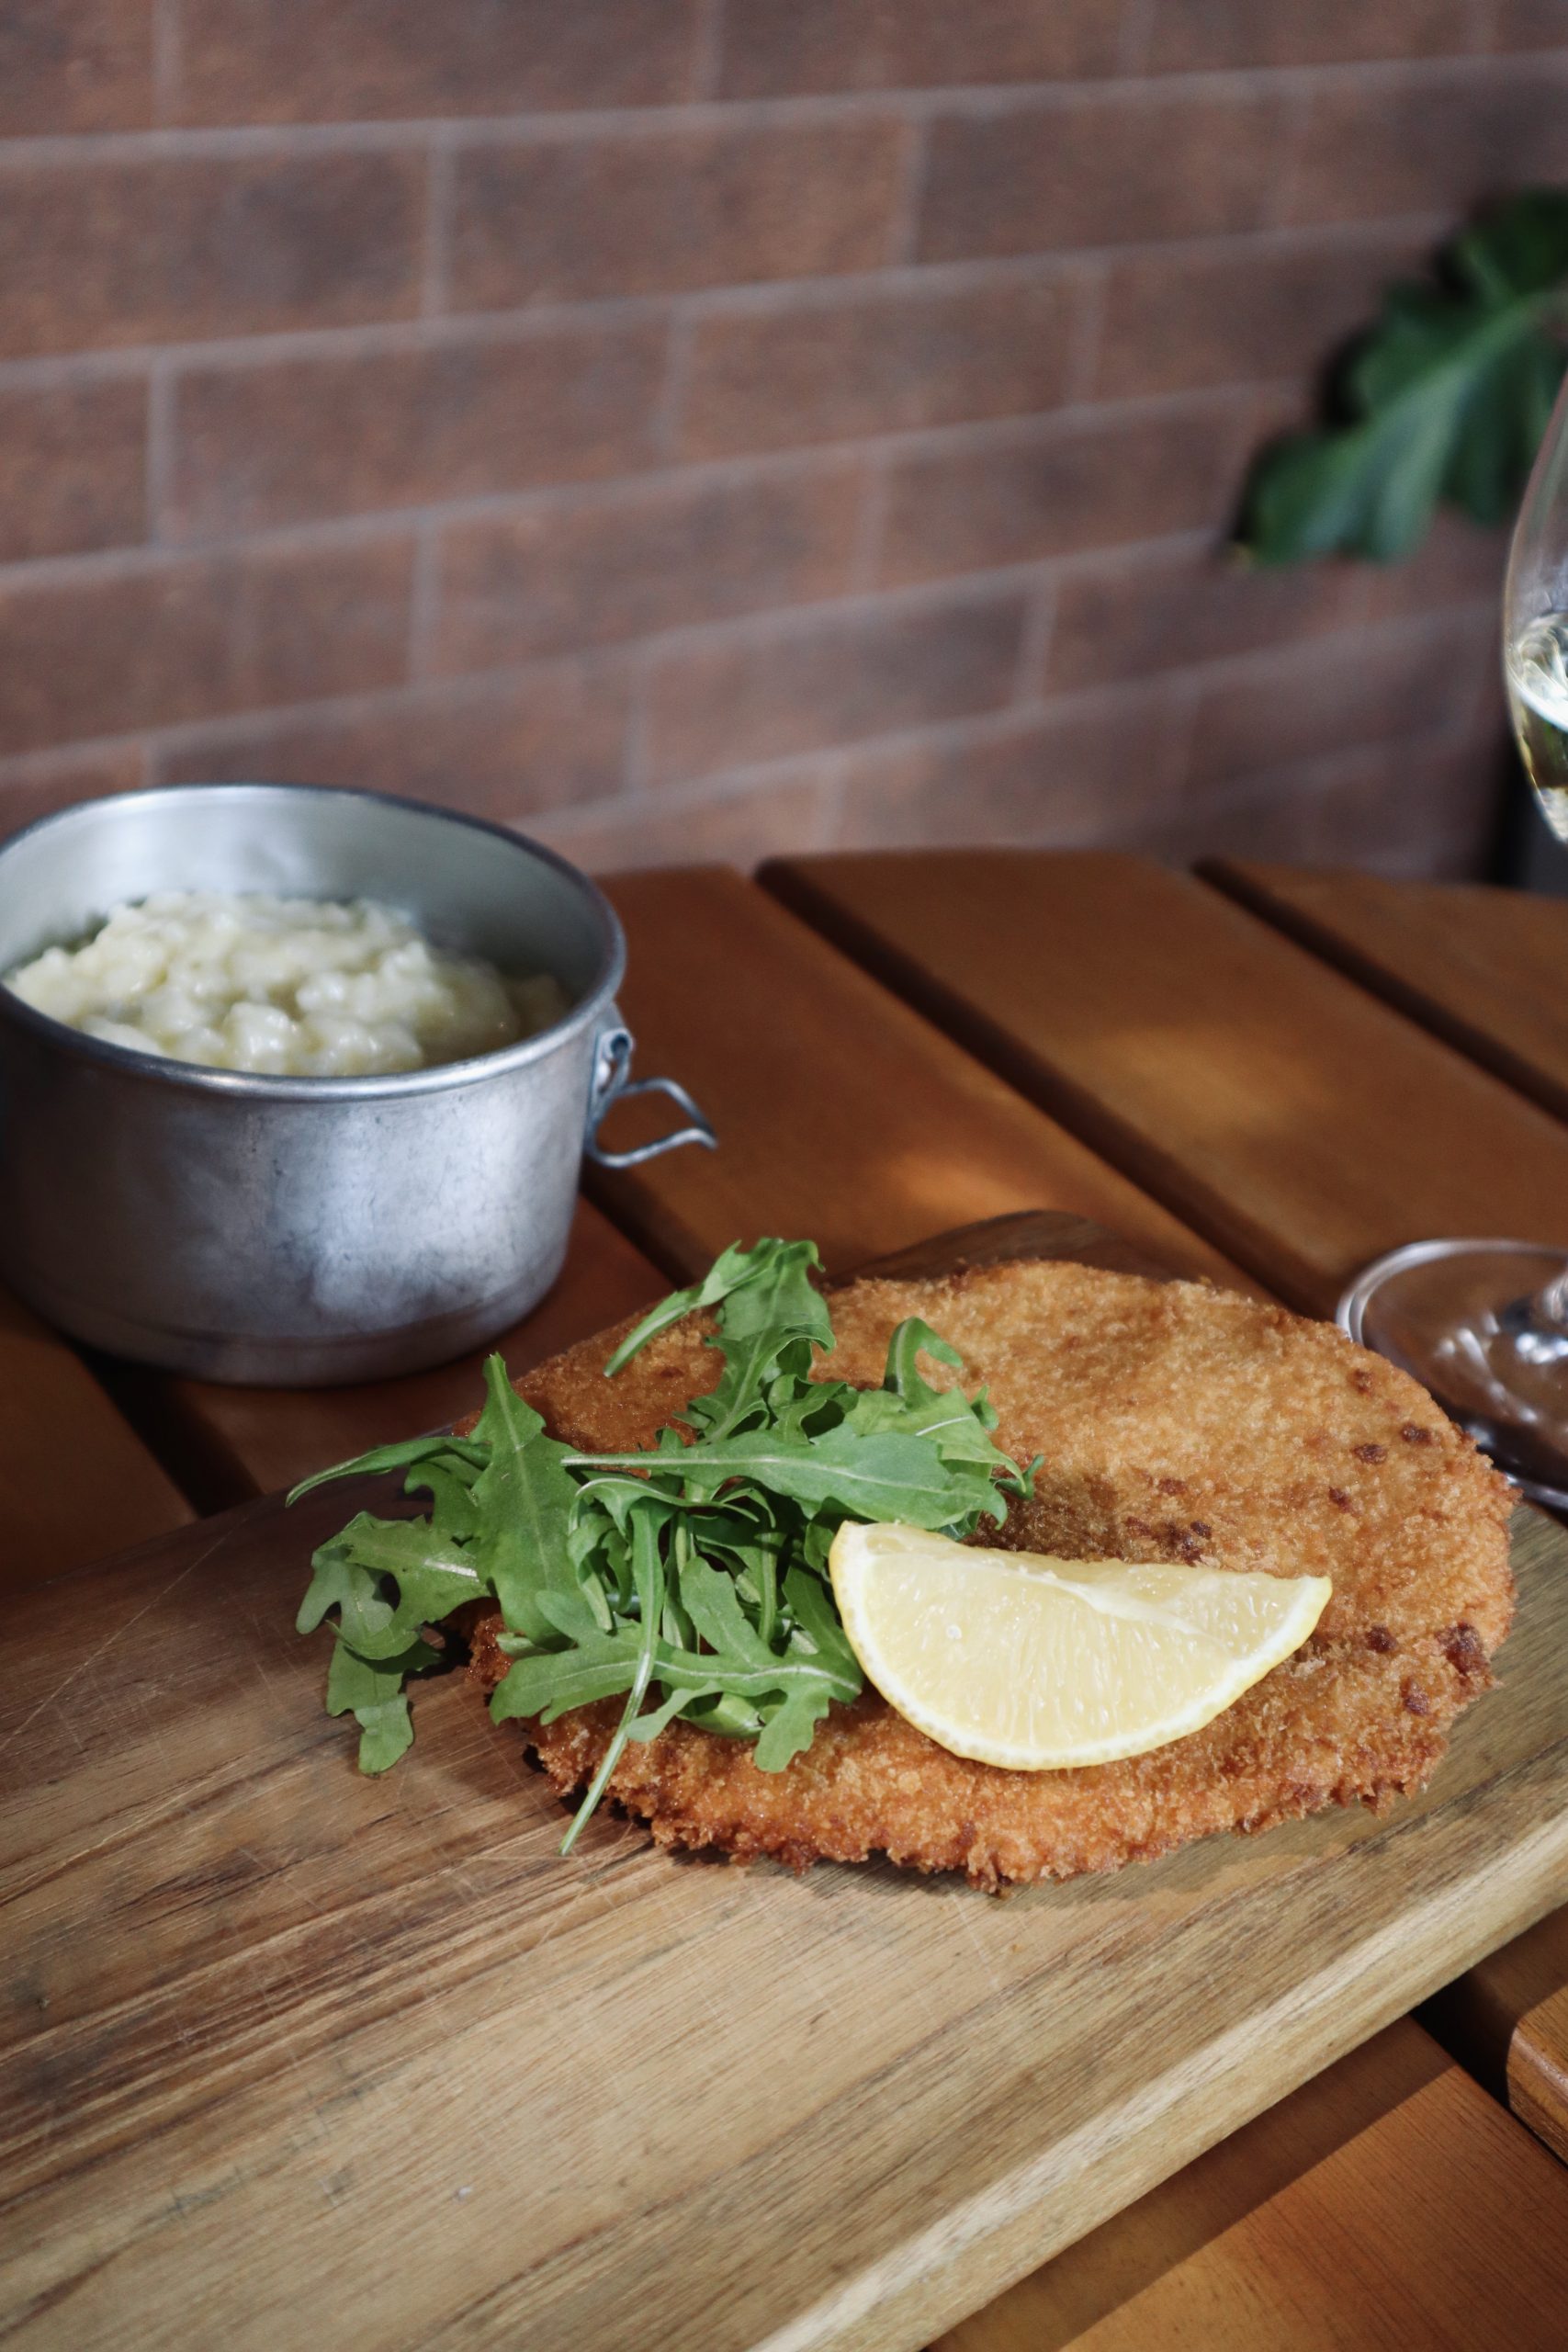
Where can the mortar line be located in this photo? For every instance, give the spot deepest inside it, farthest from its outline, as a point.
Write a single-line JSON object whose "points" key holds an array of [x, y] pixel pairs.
{"points": [[567, 124], [708, 52], [160, 454], [434, 289], [168, 62]]}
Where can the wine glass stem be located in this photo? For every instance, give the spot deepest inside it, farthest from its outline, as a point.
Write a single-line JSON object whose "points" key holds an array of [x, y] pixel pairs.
{"points": [[1537, 1325], [1549, 1308]]}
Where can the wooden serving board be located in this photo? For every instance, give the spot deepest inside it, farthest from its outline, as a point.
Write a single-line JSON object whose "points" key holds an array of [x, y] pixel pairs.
{"points": [[288, 2053]]}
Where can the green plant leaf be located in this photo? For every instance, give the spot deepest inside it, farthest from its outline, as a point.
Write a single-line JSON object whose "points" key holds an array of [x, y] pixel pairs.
{"points": [[371, 1689], [386, 1578], [1445, 399], [395, 1457], [876, 1477], [524, 1498], [773, 1268], [687, 1579]]}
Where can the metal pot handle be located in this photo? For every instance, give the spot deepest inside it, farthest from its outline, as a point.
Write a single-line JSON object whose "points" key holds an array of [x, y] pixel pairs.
{"points": [[613, 1082]]}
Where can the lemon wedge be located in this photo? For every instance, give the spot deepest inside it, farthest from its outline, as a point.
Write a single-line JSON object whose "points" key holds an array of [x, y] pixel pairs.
{"points": [[1036, 1663]]}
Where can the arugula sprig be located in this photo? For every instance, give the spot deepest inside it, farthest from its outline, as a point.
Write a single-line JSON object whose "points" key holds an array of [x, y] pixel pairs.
{"points": [[689, 1577]]}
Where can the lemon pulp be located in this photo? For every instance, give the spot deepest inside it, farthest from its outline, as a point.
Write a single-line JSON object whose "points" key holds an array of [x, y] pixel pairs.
{"points": [[1038, 1663]]}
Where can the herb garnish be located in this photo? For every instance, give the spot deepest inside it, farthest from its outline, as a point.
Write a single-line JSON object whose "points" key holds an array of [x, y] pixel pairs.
{"points": [[690, 1577]]}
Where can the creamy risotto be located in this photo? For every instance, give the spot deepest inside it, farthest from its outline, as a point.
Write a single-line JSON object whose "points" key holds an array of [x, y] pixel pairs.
{"points": [[297, 987]]}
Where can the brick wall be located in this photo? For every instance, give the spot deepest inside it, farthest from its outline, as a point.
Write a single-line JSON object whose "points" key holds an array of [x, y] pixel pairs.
{"points": [[698, 427]]}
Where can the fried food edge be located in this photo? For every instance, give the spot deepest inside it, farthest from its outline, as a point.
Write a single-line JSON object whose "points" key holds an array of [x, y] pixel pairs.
{"points": [[1178, 1421]]}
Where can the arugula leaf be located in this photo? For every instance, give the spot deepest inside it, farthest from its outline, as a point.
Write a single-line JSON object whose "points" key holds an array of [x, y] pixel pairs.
{"points": [[775, 1268], [525, 1498], [1447, 397], [791, 1726], [913, 1338], [372, 1691], [441, 1447], [647, 1576], [431, 1578], [688, 1578], [876, 1477]]}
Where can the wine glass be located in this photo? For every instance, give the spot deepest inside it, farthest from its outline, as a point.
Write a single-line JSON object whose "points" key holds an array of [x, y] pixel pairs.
{"points": [[1485, 1323]]}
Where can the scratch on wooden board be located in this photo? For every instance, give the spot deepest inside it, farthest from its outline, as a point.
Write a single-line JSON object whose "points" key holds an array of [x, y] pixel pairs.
{"points": [[84, 1664], [597, 1870], [57, 1863], [964, 1900]]}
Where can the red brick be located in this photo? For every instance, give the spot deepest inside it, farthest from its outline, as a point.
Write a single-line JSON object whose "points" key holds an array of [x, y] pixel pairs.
{"points": [[75, 65], [1142, 613], [634, 561], [1458, 564], [1199, 36], [1344, 692], [1068, 777], [1098, 170], [1070, 484], [176, 248], [772, 48], [72, 469], [1437, 145], [184, 638], [569, 221], [1528, 24], [777, 819], [820, 368], [1246, 314], [502, 748], [289, 440], [36, 788], [833, 678], [296, 61], [1420, 804]]}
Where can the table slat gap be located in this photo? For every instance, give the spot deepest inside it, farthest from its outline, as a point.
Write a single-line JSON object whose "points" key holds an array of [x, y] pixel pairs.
{"points": [[1416, 947], [842, 1113], [1295, 1117], [1331, 2220], [77, 1480]]}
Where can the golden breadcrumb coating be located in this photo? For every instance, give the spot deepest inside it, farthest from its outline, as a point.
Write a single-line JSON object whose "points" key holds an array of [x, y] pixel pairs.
{"points": [[1177, 1421]]}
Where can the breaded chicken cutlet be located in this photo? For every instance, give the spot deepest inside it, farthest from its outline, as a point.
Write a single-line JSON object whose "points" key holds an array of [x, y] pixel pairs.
{"points": [[1177, 1422]]}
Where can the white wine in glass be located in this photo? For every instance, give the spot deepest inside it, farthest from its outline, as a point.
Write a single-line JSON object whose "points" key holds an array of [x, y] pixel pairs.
{"points": [[1483, 1324], [1537, 697]]}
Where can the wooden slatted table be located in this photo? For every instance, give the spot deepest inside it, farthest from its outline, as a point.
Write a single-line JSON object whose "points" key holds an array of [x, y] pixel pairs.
{"points": [[1388, 2202], [1488, 970], [887, 1046], [1295, 1118], [75, 1481], [1485, 968], [1291, 1118], [842, 1113]]}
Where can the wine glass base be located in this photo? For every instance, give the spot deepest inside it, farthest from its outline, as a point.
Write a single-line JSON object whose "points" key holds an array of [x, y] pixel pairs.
{"points": [[1458, 1316]]}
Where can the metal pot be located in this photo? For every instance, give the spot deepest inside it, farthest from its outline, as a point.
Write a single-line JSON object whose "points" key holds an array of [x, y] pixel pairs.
{"points": [[300, 1231]]}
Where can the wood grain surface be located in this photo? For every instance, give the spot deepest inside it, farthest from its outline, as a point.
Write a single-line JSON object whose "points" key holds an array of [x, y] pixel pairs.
{"points": [[1280, 1107], [484, 2097], [1486, 969], [1272, 1104], [841, 1114], [1388, 2204], [75, 1481], [1506, 2021]]}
